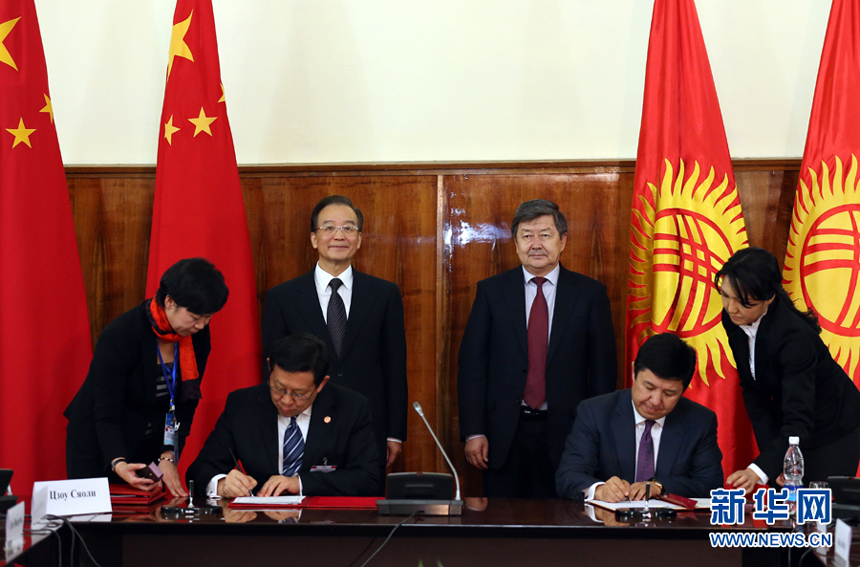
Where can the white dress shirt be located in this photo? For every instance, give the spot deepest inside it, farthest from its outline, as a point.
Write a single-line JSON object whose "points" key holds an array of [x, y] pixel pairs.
{"points": [[751, 331]]}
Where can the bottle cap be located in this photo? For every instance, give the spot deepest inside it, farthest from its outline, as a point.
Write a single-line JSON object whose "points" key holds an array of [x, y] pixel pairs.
{"points": [[794, 440]]}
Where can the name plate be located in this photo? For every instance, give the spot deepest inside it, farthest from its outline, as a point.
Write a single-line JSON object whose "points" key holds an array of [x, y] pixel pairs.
{"points": [[842, 549], [70, 497], [15, 525]]}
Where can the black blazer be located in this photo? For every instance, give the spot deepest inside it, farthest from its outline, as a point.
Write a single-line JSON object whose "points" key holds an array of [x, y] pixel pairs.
{"points": [[373, 361], [339, 434], [602, 444], [493, 360], [108, 416], [798, 390]]}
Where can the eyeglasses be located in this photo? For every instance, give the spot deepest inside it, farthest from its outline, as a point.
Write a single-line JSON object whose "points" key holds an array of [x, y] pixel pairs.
{"points": [[330, 229], [280, 393]]}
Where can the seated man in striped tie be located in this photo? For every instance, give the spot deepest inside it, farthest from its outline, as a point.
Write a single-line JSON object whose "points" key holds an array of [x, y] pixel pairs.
{"points": [[647, 435], [295, 434]]}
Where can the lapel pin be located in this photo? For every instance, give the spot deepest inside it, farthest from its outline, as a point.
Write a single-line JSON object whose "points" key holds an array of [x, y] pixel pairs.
{"points": [[327, 419]]}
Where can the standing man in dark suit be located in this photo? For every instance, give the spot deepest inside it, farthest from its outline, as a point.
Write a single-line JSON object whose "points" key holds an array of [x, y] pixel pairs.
{"points": [[359, 317], [646, 435], [539, 340], [292, 434]]}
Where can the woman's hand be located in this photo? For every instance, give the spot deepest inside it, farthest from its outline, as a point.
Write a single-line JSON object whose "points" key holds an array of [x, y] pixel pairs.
{"points": [[128, 472], [746, 479], [171, 479]]}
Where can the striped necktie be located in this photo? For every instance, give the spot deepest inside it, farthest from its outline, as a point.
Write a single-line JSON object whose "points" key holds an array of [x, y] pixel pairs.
{"points": [[294, 449]]}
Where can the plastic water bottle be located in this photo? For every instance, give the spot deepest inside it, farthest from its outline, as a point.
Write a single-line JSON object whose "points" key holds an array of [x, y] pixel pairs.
{"points": [[792, 470]]}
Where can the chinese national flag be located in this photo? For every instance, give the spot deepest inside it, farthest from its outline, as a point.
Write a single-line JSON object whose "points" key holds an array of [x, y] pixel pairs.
{"points": [[822, 261], [45, 345], [686, 220], [199, 210]]}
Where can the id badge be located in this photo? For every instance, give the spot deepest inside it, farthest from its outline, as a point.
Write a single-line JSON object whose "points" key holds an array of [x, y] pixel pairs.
{"points": [[169, 430]]}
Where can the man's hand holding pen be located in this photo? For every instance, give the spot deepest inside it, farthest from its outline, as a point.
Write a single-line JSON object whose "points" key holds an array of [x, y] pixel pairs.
{"points": [[236, 484]]}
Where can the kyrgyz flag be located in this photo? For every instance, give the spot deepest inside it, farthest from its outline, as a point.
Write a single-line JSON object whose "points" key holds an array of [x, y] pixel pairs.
{"points": [[45, 346], [687, 219], [199, 210], [822, 262]]}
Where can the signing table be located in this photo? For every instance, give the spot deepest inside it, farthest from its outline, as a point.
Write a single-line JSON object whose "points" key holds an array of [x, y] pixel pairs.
{"points": [[494, 532]]}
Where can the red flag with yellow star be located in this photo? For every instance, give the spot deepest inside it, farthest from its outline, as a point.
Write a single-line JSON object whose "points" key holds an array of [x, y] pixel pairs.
{"points": [[687, 220], [199, 210], [822, 260], [45, 345]]}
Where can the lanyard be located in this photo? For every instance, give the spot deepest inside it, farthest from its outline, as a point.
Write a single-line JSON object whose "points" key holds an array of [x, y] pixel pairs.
{"points": [[169, 377]]}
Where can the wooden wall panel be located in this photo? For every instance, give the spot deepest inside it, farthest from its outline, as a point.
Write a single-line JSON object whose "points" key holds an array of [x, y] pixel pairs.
{"points": [[435, 230]]}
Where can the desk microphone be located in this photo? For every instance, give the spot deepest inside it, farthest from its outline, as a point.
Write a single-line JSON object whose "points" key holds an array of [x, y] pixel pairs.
{"points": [[420, 411], [425, 493]]}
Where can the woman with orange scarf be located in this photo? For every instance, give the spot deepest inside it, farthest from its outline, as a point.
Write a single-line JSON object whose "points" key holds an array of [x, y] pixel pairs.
{"points": [[138, 401]]}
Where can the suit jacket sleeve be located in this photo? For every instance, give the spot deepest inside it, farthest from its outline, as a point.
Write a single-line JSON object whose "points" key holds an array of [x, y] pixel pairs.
{"points": [[473, 362], [116, 357], [360, 475], [580, 460], [214, 458], [603, 366], [794, 359], [705, 471], [394, 366]]}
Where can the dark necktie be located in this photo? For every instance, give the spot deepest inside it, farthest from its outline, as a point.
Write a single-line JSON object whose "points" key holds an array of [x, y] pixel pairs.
{"points": [[294, 449], [645, 462], [336, 317], [538, 332]]}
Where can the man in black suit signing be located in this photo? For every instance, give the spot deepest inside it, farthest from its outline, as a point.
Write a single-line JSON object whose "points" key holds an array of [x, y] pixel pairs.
{"points": [[359, 317], [645, 435], [538, 341], [293, 434]]}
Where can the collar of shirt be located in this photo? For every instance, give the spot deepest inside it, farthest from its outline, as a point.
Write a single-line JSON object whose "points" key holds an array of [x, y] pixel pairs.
{"points": [[752, 329], [552, 276], [322, 280], [639, 420]]}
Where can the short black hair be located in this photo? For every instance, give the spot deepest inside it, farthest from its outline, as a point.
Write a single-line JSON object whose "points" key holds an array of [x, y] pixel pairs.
{"points": [[300, 352], [195, 284], [668, 357], [335, 200], [530, 210]]}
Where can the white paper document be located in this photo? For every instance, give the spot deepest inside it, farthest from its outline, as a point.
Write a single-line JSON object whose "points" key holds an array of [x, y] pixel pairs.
{"points": [[269, 500]]}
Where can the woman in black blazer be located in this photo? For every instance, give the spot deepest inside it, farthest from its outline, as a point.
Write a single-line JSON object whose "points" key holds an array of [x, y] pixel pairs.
{"points": [[119, 421], [791, 384]]}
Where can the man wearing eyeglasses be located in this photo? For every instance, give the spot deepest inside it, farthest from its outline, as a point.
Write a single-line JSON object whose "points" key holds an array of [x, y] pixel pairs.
{"points": [[292, 434], [358, 316]]}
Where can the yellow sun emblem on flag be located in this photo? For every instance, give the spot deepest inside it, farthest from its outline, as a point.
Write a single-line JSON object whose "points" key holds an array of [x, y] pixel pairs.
{"points": [[683, 232], [822, 262]]}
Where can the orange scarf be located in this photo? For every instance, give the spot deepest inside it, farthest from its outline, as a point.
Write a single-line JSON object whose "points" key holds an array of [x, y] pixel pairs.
{"points": [[162, 329]]}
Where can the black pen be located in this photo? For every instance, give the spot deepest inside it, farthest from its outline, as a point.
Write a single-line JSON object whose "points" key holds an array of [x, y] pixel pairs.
{"points": [[239, 468]]}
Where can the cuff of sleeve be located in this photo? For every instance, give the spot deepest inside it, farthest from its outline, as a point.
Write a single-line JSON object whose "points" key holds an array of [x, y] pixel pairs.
{"points": [[212, 487], [589, 492], [470, 437], [757, 470], [395, 440]]}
